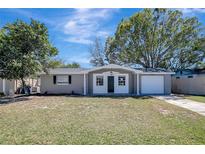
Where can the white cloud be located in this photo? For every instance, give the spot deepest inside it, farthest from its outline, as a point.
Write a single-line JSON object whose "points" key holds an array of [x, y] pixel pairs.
{"points": [[78, 40], [84, 24], [80, 26], [103, 34], [82, 58], [192, 11]]}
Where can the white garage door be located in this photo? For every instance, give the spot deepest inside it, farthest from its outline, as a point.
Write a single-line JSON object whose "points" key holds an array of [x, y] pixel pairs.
{"points": [[152, 84]]}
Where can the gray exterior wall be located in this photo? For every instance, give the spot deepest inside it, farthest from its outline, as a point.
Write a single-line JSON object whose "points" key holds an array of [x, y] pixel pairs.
{"points": [[167, 82], [9, 87], [135, 84], [77, 84], [185, 85], [48, 86], [131, 79]]}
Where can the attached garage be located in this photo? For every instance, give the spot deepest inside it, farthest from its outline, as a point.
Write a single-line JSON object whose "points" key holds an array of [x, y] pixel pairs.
{"points": [[152, 84]]}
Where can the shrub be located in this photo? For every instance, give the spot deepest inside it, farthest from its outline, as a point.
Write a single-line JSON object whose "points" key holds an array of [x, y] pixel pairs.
{"points": [[1, 94]]}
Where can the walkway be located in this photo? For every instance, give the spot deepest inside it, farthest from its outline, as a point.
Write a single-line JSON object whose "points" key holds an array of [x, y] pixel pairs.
{"points": [[185, 103]]}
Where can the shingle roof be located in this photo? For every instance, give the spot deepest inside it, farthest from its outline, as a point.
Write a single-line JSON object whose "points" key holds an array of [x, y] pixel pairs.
{"points": [[114, 66], [66, 71], [190, 71], [153, 70], [56, 71]]}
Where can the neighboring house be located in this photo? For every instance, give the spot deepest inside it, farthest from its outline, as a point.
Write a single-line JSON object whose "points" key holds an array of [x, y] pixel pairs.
{"points": [[106, 80], [189, 82], [33, 82], [7, 87]]}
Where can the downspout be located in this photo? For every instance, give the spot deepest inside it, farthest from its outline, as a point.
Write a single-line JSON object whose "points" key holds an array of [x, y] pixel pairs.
{"points": [[138, 86], [84, 85], [4, 86]]}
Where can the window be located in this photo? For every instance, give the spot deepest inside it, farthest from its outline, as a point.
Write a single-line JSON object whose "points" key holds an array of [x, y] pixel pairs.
{"points": [[99, 80], [62, 80], [190, 76], [121, 81]]}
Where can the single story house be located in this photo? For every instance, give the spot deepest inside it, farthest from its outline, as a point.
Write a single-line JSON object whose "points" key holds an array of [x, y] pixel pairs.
{"points": [[106, 80], [189, 81]]}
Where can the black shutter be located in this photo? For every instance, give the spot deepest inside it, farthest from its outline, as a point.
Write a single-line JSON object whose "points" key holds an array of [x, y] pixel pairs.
{"points": [[54, 79], [69, 79]]}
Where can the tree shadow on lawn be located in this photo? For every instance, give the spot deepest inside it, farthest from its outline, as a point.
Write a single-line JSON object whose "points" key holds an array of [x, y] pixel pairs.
{"points": [[120, 97], [9, 100], [111, 96], [16, 99], [187, 95]]}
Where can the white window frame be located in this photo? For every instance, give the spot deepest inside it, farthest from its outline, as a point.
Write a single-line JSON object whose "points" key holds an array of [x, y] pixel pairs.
{"points": [[65, 78], [122, 80], [99, 76]]}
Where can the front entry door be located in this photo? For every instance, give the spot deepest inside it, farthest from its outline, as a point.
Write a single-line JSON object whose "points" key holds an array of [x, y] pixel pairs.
{"points": [[110, 84]]}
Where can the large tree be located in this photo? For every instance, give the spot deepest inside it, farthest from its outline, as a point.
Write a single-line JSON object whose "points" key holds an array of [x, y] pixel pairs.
{"points": [[72, 65], [110, 51], [97, 53], [157, 38], [25, 49], [58, 62]]}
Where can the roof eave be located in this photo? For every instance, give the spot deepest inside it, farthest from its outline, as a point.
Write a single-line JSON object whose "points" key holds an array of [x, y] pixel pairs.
{"points": [[62, 73], [112, 67], [158, 73]]}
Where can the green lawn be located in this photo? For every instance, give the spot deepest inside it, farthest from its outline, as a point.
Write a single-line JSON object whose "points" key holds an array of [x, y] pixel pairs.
{"points": [[84, 120], [196, 98]]}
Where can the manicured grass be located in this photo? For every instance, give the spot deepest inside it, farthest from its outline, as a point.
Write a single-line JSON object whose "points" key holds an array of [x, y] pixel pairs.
{"points": [[84, 120], [196, 98]]}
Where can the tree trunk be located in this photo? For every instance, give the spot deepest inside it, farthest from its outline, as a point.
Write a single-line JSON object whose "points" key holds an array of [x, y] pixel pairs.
{"points": [[23, 86], [23, 82]]}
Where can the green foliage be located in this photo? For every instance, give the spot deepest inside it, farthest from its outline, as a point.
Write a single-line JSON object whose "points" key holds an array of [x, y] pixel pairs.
{"points": [[157, 38], [73, 65], [56, 63], [200, 65], [196, 98], [25, 49], [110, 51]]}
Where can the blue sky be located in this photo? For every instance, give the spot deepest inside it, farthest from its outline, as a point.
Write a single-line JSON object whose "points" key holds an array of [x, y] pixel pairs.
{"points": [[73, 30]]}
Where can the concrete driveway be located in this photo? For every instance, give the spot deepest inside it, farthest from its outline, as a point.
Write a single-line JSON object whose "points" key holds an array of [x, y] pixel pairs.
{"points": [[185, 103]]}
